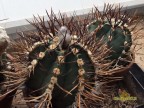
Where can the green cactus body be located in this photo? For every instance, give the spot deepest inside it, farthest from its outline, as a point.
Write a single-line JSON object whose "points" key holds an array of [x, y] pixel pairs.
{"points": [[117, 37], [73, 67]]}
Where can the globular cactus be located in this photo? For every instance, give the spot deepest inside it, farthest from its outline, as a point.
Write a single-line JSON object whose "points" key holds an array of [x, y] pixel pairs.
{"points": [[60, 66], [67, 68], [111, 27]]}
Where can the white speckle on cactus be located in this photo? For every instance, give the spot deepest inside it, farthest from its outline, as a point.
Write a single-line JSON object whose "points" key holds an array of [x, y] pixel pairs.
{"points": [[82, 45], [56, 71], [51, 34], [30, 49], [123, 15], [75, 51], [34, 62], [60, 59], [56, 39], [87, 26], [74, 39], [27, 53], [85, 47], [52, 46], [99, 19], [129, 19], [125, 25], [48, 91], [9, 67], [30, 68], [123, 52], [80, 62], [125, 43], [8, 63], [53, 80], [81, 72], [110, 38], [91, 23], [113, 22], [89, 52], [118, 20], [121, 27], [50, 86], [35, 44], [120, 23], [92, 58], [41, 55], [46, 39]]}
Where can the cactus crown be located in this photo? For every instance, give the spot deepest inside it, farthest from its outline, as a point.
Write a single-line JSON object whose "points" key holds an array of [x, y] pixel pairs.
{"points": [[60, 64]]}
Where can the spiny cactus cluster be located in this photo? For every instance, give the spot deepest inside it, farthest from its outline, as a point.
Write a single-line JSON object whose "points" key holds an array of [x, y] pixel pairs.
{"points": [[69, 69], [70, 60], [61, 70], [111, 28], [115, 34]]}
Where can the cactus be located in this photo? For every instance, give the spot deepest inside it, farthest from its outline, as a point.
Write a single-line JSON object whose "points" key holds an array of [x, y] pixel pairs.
{"points": [[112, 28], [66, 68], [60, 66], [66, 64]]}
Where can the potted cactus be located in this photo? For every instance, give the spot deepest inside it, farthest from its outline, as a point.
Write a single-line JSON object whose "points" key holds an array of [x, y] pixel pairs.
{"points": [[72, 61], [62, 73], [112, 28]]}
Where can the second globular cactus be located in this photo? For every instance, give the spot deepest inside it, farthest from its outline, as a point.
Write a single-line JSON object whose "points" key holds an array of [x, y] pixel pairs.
{"points": [[112, 28]]}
